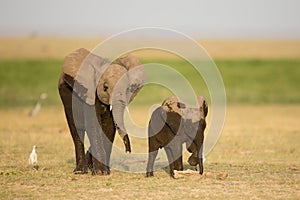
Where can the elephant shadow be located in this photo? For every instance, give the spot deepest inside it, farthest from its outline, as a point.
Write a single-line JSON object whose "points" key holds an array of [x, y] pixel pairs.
{"points": [[186, 166]]}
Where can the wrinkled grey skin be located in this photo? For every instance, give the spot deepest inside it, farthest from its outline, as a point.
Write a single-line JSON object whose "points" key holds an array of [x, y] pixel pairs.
{"points": [[116, 88], [170, 126]]}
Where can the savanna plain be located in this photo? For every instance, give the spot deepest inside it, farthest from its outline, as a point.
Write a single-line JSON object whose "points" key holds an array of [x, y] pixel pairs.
{"points": [[258, 148]]}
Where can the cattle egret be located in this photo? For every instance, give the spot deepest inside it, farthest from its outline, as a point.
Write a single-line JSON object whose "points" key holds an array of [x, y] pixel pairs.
{"points": [[33, 156], [38, 105]]}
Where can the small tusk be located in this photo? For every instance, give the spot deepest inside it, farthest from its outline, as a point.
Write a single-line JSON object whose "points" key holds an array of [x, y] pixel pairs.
{"points": [[110, 107]]}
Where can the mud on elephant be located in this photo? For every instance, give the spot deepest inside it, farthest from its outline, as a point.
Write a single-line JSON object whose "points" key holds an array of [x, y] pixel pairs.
{"points": [[94, 93], [171, 125]]}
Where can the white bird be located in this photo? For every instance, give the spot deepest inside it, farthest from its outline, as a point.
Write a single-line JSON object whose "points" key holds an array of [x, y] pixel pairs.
{"points": [[33, 156], [38, 105]]}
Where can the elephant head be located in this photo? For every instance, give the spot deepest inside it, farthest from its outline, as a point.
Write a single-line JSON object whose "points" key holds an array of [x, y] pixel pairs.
{"points": [[118, 86]]}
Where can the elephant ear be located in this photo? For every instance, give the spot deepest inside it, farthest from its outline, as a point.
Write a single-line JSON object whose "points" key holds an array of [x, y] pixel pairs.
{"points": [[107, 82], [136, 74], [128, 61], [73, 61], [195, 114], [172, 104]]}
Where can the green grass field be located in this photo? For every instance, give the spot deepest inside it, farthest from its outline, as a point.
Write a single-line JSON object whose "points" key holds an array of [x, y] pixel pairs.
{"points": [[258, 148], [246, 81]]}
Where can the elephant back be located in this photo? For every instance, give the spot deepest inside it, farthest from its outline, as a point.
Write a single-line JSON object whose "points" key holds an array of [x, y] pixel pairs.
{"points": [[198, 113], [172, 104], [73, 61]]}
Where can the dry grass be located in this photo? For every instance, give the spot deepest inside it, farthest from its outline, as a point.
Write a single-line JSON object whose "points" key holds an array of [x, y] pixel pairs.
{"points": [[57, 48], [259, 149]]}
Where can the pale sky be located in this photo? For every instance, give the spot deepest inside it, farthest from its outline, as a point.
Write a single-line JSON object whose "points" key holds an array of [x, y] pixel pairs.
{"points": [[197, 18]]}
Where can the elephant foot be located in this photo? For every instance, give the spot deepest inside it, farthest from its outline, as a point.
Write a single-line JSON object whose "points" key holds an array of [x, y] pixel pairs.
{"points": [[96, 167], [193, 161], [80, 169], [100, 171], [172, 174], [149, 174], [99, 168]]}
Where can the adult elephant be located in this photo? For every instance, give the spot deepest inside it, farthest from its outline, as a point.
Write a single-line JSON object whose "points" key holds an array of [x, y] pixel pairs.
{"points": [[94, 93], [173, 124]]}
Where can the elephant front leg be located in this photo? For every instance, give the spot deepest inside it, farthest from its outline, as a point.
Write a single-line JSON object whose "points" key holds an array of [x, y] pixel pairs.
{"points": [[200, 166], [109, 129], [200, 155], [198, 145], [96, 138], [96, 167], [194, 158], [89, 159]]}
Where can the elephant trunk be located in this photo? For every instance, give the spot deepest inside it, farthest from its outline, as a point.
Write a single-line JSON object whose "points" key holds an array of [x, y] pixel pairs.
{"points": [[118, 109]]}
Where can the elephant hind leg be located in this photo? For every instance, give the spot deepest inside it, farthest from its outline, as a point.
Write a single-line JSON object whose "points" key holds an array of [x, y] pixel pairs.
{"points": [[153, 147], [174, 154], [77, 134], [151, 158], [178, 165], [170, 160]]}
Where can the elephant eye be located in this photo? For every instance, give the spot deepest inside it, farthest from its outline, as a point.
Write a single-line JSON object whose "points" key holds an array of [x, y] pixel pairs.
{"points": [[105, 87], [181, 105]]}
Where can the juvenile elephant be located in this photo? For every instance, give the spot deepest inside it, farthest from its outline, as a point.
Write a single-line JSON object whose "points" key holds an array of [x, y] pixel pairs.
{"points": [[94, 93], [173, 124]]}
